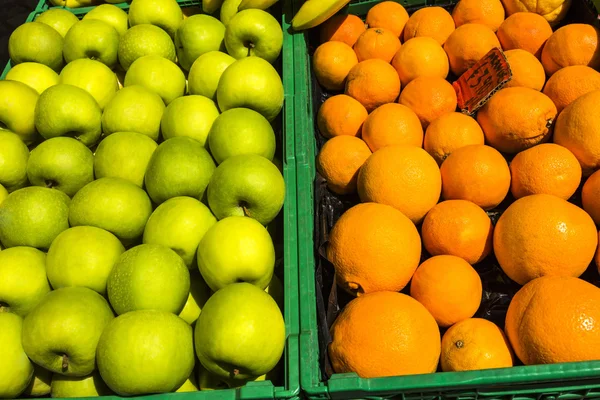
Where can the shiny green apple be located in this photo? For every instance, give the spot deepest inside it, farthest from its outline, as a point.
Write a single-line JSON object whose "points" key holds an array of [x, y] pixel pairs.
{"points": [[16, 371], [112, 15], [35, 75], [206, 72], [17, 110], [197, 35], [144, 40], [79, 386], [92, 76], [13, 161], [199, 294], [92, 38], [190, 116], [36, 42], [254, 32], [158, 75], [60, 19], [40, 384], [165, 14]]}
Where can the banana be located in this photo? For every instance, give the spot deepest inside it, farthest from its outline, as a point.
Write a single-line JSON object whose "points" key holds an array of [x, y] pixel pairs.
{"points": [[260, 4], [315, 12], [210, 6]]}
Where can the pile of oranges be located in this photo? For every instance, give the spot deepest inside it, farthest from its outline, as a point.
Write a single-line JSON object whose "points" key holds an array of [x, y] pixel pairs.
{"points": [[426, 174]]}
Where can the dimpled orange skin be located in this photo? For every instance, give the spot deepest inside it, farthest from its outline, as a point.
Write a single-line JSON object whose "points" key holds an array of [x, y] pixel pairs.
{"points": [[590, 196], [385, 334], [555, 320], [420, 56], [544, 235], [392, 124], [389, 15], [340, 160], [429, 98], [373, 247], [342, 28], [597, 257], [467, 45], [487, 12], [570, 83], [527, 71], [341, 115], [377, 43], [573, 44], [525, 30], [332, 63], [373, 83], [450, 132], [433, 22]]}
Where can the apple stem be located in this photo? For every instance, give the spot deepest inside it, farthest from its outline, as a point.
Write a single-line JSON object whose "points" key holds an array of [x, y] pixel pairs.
{"points": [[4, 307], [65, 362], [236, 372]]}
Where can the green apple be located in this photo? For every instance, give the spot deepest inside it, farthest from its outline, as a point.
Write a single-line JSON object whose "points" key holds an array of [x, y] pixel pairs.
{"points": [[16, 371], [3, 195], [199, 294], [61, 163], [13, 160], [93, 77], [165, 14], [196, 36], [206, 72], [61, 333], [254, 32], [17, 109], [112, 15], [134, 109], [67, 110], [189, 385], [190, 116], [33, 216], [124, 155], [180, 166], [148, 277], [92, 38], [83, 256], [79, 386], [246, 185], [40, 384], [112, 204], [158, 75], [60, 19], [228, 10], [73, 3], [36, 42], [35, 75], [144, 40], [210, 381], [147, 351], [179, 223], [241, 131], [253, 322], [251, 83]]}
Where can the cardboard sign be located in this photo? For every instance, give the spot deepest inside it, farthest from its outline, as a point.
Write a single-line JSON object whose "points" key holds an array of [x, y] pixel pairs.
{"points": [[479, 83]]}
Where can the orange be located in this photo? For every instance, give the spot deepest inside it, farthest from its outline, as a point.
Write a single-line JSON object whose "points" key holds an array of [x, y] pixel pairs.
{"points": [[342, 28], [597, 257], [433, 22], [332, 62], [374, 248], [526, 31], [517, 118], [448, 287], [339, 162], [384, 334], [570, 83], [392, 124], [578, 129], [467, 45], [475, 344], [574, 44], [341, 115], [450, 132], [458, 228], [429, 98], [547, 168], [552, 11], [421, 56], [373, 83], [377, 43], [388, 15], [555, 320], [486, 12], [405, 177], [590, 196], [477, 173], [544, 235], [527, 71]]}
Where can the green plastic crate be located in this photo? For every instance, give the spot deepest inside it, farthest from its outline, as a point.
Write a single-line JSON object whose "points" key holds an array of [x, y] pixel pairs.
{"points": [[558, 381], [290, 370], [44, 5]]}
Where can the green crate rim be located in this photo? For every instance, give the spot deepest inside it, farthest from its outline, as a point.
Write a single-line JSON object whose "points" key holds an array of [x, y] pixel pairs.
{"points": [[564, 381], [44, 5]]}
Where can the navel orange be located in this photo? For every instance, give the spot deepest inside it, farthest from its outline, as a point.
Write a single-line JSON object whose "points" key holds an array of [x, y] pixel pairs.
{"points": [[467, 45], [373, 83], [570, 83], [390, 125], [486, 12], [450, 132], [527, 71], [389, 15], [573, 44], [590, 196], [332, 63], [421, 56], [429, 98], [342, 28], [377, 43], [340, 160], [526, 31], [433, 22], [341, 115]]}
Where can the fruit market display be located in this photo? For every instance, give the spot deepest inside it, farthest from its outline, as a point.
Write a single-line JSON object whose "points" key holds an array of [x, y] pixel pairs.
{"points": [[438, 207], [139, 195]]}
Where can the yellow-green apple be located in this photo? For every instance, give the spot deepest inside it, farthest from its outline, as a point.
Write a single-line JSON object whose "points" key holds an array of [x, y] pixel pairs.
{"points": [[16, 371], [92, 38], [3, 195], [78, 386], [13, 161], [35, 75], [17, 109], [228, 10], [199, 294], [58, 18], [206, 72], [158, 75], [92, 76], [40, 384], [198, 35], [190, 116], [254, 32], [144, 40], [210, 381], [36, 42], [189, 385], [110, 14], [211, 6], [73, 3], [165, 14]]}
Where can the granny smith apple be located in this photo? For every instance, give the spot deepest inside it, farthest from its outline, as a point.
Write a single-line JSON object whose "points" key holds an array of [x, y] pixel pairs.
{"points": [[113, 204], [144, 40], [61, 333], [3, 193], [199, 294], [190, 116], [61, 163], [246, 185], [33, 216], [206, 72], [251, 83], [16, 371], [36, 42], [196, 36], [165, 14], [189, 385], [112, 15], [158, 75], [13, 161], [210, 381], [228, 10], [67, 110], [35, 75], [241, 131], [93, 77], [179, 223], [83, 256], [92, 38], [254, 32], [17, 109], [59, 19], [124, 155], [23, 281], [40, 384], [254, 323], [73, 3], [134, 109], [79, 386], [147, 351], [180, 166]]}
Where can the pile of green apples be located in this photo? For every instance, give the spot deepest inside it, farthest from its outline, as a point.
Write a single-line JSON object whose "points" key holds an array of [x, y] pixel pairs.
{"points": [[138, 192]]}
